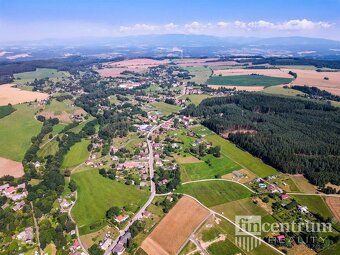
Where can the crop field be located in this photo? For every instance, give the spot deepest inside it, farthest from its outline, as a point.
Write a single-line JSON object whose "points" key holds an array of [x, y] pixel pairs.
{"points": [[279, 90], [334, 204], [201, 74], [40, 73], [212, 193], [248, 80], [203, 170], [315, 204], [77, 154], [276, 73], [6, 110], [166, 108], [16, 131], [317, 79], [96, 194], [11, 167], [302, 183], [242, 158], [175, 228], [195, 99], [12, 95]]}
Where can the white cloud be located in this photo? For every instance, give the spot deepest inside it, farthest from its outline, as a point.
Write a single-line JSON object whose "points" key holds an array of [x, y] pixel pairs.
{"points": [[240, 24], [260, 24], [303, 24], [223, 24]]}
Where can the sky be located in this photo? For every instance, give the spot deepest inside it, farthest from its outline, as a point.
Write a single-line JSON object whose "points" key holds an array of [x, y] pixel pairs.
{"points": [[65, 19]]}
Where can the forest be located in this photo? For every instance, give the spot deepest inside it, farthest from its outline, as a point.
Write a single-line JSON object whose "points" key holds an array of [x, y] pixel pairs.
{"points": [[314, 92], [293, 135]]}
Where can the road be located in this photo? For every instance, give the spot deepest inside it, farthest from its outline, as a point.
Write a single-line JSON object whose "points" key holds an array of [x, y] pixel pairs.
{"points": [[138, 215], [37, 230], [198, 244]]}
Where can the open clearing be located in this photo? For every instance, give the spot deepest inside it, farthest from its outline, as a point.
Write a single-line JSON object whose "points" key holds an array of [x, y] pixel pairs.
{"points": [[195, 99], [241, 157], [302, 183], [334, 205], [316, 79], [174, 230], [40, 73], [212, 193], [166, 108], [11, 167], [248, 80], [12, 95], [97, 194], [16, 131], [77, 154], [201, 74]]}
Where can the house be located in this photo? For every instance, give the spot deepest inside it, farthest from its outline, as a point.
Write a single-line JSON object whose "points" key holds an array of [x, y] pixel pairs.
{"points": [[106, 244], [284, 196], [121, 218], [19, 196], [89, 162], [37, 164], [147, 214], [302, 209], [238, 174], [119, 249], [9, 191], [120, 246], [26, 235], [75, 246], [4, 187], [273, 189], [19, 206]]}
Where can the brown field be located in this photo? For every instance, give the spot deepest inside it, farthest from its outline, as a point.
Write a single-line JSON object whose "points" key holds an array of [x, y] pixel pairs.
{"points": [[238, 88], [11, 167], [174, 230], [62, 116], [203, 62], [334, 204], [316, 79], [186, 160], [11, 95], [268, 72], [138, 62], [300, 249], [113, 72]]}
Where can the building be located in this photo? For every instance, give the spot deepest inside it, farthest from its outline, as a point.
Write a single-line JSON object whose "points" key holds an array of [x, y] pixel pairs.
{"points": [[120, 246], [302, 209], [26, 235], [284, 196], [121, 218]]}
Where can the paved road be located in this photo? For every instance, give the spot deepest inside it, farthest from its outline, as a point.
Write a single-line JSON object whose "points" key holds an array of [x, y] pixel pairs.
{"points": [[138, 215], [198, 244]]}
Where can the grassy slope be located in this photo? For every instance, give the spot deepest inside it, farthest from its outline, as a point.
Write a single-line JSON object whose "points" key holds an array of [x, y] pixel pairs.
{"points": [[77, 154], [39, 73], [198, 171], [16, 131], [248, 80], [97, 194], [241, 157], [279, 90], [315, 204], [201, 73], [166, 108], [212, 193], [195, 99]]}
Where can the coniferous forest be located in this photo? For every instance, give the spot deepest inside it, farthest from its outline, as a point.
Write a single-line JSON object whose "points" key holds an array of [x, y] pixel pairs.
{"points": [[293, 135]]}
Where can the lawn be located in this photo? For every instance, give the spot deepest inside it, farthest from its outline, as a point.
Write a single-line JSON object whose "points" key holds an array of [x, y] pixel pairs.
{"points": [[195, 99], [223, 247], [166, 108], [58, 107], [201, 74], [77, 154], [212, 193], [315, 204], [96, 194], [279, 90], [16, 131], [248, 80], [198, 171], [40, 73], [241, 157]]}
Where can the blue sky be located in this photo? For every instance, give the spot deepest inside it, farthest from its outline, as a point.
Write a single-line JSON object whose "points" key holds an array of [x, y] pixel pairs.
{"points": [[38, 19]]}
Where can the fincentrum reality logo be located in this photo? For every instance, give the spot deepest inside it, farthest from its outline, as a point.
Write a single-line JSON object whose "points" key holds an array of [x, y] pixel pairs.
{"points": [[248, 231]]}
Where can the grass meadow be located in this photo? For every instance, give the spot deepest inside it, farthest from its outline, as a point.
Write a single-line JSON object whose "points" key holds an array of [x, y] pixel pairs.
{"points": [[97, 194], [16, 131], [40, 73], [248, 80], [212, 193], [77, 154], [166, 108], [200, 73]]}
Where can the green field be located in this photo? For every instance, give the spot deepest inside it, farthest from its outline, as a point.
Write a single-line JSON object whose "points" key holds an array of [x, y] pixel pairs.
{"points": [[16, 131], [195, 99], [58, 107], [212, 193], [248, 80], [278, 90], [315, 204], [243, 158], [166, 108], [198, 171], [40, 73], [201, 74], [77, 154], [6, 110], [97, 194], [224, 247]]}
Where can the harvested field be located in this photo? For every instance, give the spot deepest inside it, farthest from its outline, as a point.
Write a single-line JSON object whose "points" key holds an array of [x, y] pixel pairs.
{"points": [[11, 167], [173, 231], [238, 88], [139, 62], [115, 71], [334, 204], [316, 79], [205, 62], [303, 184], [62, 116], [11, 95], [268, 72], [186, 160]]}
